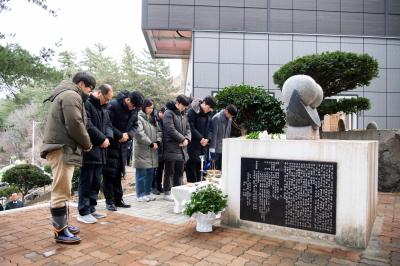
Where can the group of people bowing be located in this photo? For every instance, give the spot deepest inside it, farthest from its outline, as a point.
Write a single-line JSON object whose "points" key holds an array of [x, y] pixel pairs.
{"points": [[89, 128]]}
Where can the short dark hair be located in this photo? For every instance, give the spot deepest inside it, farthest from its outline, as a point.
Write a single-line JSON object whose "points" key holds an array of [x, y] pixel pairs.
{"points": [[105, 89], [184, 100], [232, 109], [162, 109], [86, 78], [210, 101], [136, 98]]}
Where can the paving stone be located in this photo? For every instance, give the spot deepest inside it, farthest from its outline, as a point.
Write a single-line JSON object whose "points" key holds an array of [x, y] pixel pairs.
{"points": [[127, 237]]}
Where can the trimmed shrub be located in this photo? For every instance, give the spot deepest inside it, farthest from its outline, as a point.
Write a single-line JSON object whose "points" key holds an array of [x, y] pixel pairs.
{"points": [[257, 110], [25, 177]]}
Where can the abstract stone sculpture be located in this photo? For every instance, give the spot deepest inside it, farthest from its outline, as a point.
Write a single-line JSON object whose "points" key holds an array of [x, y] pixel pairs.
{"points": [[302, 95]]}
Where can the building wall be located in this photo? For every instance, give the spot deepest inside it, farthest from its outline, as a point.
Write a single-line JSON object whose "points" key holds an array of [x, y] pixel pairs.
{"points": [[221, 59], [344, 17]]}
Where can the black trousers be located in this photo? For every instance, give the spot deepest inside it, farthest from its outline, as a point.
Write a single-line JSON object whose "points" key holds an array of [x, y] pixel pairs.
{"points": [[158, 176], [89, 187], [112, 189], [218, 162], [173, 174], [193, 173]]}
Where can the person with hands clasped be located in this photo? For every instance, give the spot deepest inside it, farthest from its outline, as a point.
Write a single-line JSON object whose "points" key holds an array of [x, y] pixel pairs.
{"points": [[123, 113], [221, 124], [176, 139], [199, 116], [147, 142], [65, 138], [100, 132]]}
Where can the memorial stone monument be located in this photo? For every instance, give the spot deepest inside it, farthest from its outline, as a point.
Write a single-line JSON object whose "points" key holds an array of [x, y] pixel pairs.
{"points": [[302, 187]]}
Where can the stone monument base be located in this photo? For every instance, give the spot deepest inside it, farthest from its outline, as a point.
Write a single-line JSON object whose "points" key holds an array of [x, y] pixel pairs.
{"points": [[307, 132], [356, 186]]}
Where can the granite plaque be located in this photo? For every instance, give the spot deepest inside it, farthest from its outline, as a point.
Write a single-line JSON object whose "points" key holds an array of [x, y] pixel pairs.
{"points": [[297, 194]]}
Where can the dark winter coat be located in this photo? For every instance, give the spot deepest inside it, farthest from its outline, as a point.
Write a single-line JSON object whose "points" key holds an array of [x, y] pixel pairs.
{"points": [[220, 129], [200, 128], [14, 205], [176, 130], [66, 124], [146, 135], [122, 120], [161, 147], [99, 128]]}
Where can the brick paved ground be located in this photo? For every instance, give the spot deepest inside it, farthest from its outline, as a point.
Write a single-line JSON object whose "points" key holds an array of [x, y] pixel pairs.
{"points": [[121, 239]]}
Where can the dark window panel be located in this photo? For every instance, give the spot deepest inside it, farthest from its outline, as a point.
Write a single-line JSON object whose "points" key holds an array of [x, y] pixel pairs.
{"points": [[351, 23], [351, 5], [304, 21], [328, 5], [182, 2], [394, 25], [255, 3], [206, 18], [394, 6], [181, 17], [374, 24], [281, 20], [374, 6], [255, 19], [234, 3], [157, 16], [206, 3], [328, 22], [305, 4], [231, 18], [284, 4]]}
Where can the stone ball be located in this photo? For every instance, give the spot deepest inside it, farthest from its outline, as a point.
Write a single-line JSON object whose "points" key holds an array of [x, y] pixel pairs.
{"points": [[372, 126], [310, 92]]}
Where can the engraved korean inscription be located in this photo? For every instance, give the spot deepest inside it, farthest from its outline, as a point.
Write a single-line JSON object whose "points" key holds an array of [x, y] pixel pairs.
{"points": [[297, 194]]}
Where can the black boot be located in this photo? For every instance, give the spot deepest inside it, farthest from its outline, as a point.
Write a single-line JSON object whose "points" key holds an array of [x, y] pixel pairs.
{"points": [[60, 224]]}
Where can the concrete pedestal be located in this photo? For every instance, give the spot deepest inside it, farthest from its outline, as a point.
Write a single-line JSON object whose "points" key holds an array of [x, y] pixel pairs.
{"points": [[357, 193]]}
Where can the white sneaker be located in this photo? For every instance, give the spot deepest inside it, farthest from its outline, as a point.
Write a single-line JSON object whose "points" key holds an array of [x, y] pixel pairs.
{"points": [[168, 198], [151, 197], [87, 219], [98, 215], [141, 199]]}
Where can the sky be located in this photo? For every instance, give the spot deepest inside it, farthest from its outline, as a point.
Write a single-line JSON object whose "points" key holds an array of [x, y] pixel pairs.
{"points": [[80, 24]]}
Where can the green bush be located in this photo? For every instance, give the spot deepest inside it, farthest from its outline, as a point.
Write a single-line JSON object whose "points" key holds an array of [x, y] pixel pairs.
{"points": [[207, 199], [47, 169], [6, 192], [335, 72], [25, 177], [253, 135], [258, 111]]}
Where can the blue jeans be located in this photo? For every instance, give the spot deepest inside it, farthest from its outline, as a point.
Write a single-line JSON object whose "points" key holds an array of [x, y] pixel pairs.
{"points": [[144, 179], [88, 188]]}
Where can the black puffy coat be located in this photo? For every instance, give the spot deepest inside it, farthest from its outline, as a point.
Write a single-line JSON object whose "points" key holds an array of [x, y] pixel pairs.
{"points": [[176, 130], [161, 148], [123, 120], [200, 127], [99, 128]]}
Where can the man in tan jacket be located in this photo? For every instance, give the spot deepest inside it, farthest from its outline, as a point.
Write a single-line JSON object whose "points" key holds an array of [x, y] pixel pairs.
{"points": [[65, 138]]}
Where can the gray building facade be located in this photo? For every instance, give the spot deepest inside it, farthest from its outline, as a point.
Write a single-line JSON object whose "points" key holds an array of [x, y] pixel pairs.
{"points": [[245, 41]]}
